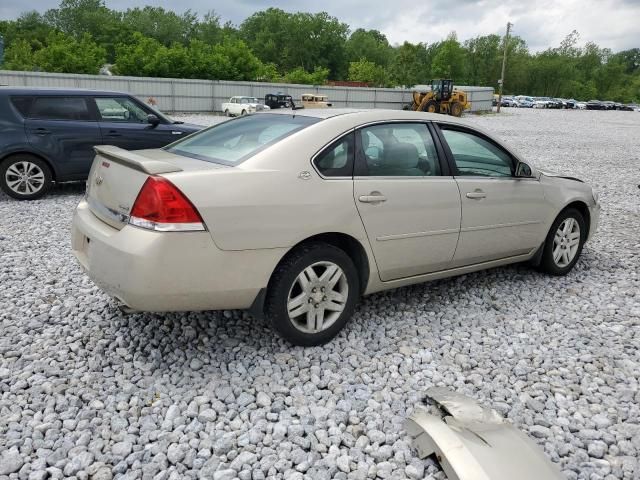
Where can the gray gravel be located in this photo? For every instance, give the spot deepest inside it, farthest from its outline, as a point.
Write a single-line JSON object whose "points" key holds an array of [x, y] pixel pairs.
{"points": [[86, 392]]}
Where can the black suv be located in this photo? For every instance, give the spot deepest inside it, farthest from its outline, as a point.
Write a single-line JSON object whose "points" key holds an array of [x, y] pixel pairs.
{"points": [[48, 135]]}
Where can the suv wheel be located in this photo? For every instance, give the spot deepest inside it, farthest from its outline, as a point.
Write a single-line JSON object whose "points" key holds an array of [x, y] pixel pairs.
{"points": [[312, 294], [564, 243], [25, 177]]}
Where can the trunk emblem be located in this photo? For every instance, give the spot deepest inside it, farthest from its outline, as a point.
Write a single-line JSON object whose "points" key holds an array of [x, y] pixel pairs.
{"points": [[99, 180]]}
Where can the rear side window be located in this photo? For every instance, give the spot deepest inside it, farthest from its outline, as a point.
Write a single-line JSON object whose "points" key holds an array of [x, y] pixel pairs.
{"points": [[236, 140], [337, 159], [22, 105], [60, 108], [120, 109]]}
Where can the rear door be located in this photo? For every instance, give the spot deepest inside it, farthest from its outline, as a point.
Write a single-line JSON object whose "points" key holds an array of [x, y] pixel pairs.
{"points": [[123, 123], [65, 131], [502, 215], [408, 202]]}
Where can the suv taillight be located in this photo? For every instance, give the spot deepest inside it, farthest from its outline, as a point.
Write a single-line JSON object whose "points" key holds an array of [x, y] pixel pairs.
{"points": [[162, 207]]}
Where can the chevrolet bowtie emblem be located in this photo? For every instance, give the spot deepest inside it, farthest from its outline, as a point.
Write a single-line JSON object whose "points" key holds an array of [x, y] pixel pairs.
{"points": [[99, 180]]}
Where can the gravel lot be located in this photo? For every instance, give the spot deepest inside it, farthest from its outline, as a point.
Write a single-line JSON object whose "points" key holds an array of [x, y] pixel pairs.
{"points": [[86, 392]]}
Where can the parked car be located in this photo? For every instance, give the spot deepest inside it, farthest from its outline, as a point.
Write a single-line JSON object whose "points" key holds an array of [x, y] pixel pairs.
{"points": [[508, 102], [242, 106], [595, 105], [279, 100], [295, 216], [581, 105], [542, 102], [525, 102], [48, 135], [609, 105], [311, 100]]}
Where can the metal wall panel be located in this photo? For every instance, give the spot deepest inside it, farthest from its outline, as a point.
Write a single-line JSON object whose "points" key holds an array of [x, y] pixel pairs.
{"points": [[186, 95]]}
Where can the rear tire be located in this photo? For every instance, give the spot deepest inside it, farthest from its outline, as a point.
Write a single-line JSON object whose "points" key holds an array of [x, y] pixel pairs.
{"points": [[564, 243], [243, 113], [310, 278], [226, 113], [456, 109], [25, 177]]}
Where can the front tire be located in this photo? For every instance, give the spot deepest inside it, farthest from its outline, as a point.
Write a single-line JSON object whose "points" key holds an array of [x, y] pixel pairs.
{"points": [[226, 113], [431, 107], [564, 243], [312, 294], [25, 177]]}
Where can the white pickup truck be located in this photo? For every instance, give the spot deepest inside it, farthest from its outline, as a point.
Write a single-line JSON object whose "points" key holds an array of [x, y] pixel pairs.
{"points": [[242, 106]]}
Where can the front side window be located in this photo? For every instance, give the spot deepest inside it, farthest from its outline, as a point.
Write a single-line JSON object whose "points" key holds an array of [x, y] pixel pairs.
{"points": [[120, 109], [476, 156], [397, 150], [60, 108], [337, 159], [234, 141]]}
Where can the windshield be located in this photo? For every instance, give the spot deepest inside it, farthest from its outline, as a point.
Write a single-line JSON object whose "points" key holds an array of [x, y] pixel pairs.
{"points": [[233, 141]]}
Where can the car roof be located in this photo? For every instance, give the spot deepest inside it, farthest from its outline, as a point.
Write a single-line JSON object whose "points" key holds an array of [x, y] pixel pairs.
{"points": [[367, 115], [55, 91]]}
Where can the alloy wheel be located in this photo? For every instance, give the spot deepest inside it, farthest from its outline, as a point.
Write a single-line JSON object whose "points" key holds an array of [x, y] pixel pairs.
{"points": [[317, 297], [566, 242], [24, 178]]}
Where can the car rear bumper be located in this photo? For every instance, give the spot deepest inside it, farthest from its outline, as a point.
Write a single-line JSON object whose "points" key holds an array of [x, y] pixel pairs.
{"points": [[168, 271]]}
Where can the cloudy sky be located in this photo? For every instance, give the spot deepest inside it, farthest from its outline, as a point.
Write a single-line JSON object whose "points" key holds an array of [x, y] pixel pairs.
{"points": [[542, 23]]}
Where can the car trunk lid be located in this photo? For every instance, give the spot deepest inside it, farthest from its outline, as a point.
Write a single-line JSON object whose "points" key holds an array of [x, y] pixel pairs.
{"points": [[117, 176]]}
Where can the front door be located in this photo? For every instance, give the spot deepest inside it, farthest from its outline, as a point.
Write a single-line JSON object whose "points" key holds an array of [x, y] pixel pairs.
{"points": [[502, 215], [63, 129], [124, 123], [410, 211]]}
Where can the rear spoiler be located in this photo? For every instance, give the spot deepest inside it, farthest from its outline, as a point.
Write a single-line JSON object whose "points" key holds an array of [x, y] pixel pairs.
{"points": [[135, 161]]}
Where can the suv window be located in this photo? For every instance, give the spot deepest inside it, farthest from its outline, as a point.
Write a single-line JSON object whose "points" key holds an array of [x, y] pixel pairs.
{"points": [[22, 104], [120, 109], [476, 156], [337, 159], [60, 108], [397, 150]]}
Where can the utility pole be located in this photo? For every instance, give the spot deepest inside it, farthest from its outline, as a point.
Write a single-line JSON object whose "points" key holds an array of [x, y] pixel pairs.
{"points": [[504, 64]]}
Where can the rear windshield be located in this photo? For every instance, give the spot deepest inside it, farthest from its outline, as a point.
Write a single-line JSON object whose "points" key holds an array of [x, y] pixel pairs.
{"points": [[234, 141]]}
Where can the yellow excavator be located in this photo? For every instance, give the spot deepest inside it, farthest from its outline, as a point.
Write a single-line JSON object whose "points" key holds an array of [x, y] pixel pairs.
{"points": [[442, 98]]}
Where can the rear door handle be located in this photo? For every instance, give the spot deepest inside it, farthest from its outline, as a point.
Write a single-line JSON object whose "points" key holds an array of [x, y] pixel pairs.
{"points": [[375, 197], [114, 133], [42, 131], [477, 195]]}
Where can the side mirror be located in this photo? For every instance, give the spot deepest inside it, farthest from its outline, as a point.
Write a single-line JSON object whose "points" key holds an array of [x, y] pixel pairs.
{"points": [[523, 170], [153, 119]]}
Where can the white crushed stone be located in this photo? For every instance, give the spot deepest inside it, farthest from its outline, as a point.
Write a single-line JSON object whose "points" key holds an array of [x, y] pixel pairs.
{"points": [[86, 391]]}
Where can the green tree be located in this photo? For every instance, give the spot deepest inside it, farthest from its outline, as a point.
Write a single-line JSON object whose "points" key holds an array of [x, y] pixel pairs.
{"points": [[165, 26], [411, 64], [300, 75], [370, 45], [449, 59], [365, 71]]}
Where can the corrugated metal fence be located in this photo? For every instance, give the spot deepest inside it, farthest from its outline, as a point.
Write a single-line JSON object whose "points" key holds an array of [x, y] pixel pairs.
{"points": [[182, 95]]}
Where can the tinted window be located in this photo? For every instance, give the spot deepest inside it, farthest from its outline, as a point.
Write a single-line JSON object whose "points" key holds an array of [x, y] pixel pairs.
{"points": [[337, 159], [236, 140], [120, 109], [60, 108], [477, 156], [22, 104], [398, 150]]}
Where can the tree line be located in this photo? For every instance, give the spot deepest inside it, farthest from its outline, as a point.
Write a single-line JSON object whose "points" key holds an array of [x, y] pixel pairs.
{"points": [[80, 36]]}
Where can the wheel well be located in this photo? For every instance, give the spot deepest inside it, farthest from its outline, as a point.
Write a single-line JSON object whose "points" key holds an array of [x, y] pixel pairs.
{"points": [[584, 210], [40, 157], [351, 247]]}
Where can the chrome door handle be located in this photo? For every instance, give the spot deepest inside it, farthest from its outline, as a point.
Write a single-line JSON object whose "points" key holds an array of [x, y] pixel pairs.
{"points": [[372, 198], [476, 195]]}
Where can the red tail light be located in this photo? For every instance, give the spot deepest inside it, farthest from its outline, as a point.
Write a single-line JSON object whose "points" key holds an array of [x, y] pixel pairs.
{"points": [[161, 206]]}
